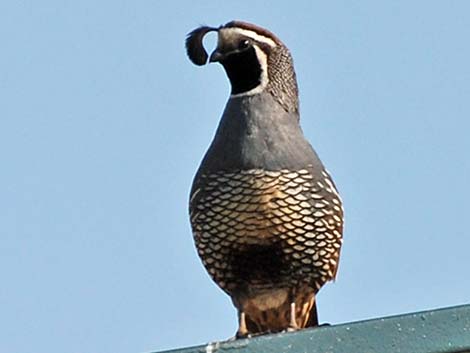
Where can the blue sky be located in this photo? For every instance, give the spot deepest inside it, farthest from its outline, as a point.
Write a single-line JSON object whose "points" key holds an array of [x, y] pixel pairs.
{"points": [[103, 122]]}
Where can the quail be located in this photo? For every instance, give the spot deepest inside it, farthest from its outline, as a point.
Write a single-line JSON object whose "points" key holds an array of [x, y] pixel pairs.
{"points": [[266, 217]]}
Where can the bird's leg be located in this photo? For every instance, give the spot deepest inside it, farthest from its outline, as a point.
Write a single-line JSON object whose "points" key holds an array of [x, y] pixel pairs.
{"points": [[292, 318], [293, 326], [242, 329]]}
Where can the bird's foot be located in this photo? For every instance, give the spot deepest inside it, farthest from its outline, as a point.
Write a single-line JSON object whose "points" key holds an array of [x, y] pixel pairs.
{"points": [[240, 335], [292, 328]]}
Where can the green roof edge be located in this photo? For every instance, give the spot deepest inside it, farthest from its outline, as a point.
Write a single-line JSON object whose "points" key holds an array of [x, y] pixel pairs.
{"points": [[445, 330]]}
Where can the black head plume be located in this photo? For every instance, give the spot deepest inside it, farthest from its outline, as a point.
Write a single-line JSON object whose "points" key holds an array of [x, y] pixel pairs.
{"points": [[194, 46]]}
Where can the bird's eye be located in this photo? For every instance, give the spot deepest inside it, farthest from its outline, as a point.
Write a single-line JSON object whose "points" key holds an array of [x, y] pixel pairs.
{"points": [[244, 43]]}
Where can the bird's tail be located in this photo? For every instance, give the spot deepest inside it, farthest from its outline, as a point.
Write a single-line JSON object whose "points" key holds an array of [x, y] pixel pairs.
{"points": [[312, 315], [277, 319], [307, 315]]}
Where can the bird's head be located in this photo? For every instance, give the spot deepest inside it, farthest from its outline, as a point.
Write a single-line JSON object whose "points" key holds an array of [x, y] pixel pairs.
{"points": [[253, 57]]}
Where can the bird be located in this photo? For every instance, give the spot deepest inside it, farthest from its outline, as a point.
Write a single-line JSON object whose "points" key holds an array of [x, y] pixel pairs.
{"points": [[266, 216]]}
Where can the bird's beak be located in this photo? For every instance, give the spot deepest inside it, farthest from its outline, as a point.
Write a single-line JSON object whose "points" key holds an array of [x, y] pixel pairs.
{"points": [[216, 56]]}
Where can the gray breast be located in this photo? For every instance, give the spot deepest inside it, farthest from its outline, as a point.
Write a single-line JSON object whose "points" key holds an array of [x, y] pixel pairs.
{"points": [[255, 132]]}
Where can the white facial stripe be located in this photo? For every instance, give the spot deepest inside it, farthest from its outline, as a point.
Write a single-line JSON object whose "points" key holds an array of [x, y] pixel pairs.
{"points": [[263, 60], [253, 35]]}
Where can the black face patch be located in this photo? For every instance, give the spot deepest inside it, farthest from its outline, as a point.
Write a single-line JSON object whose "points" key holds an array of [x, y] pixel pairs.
{"points": [[244, 70]]}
